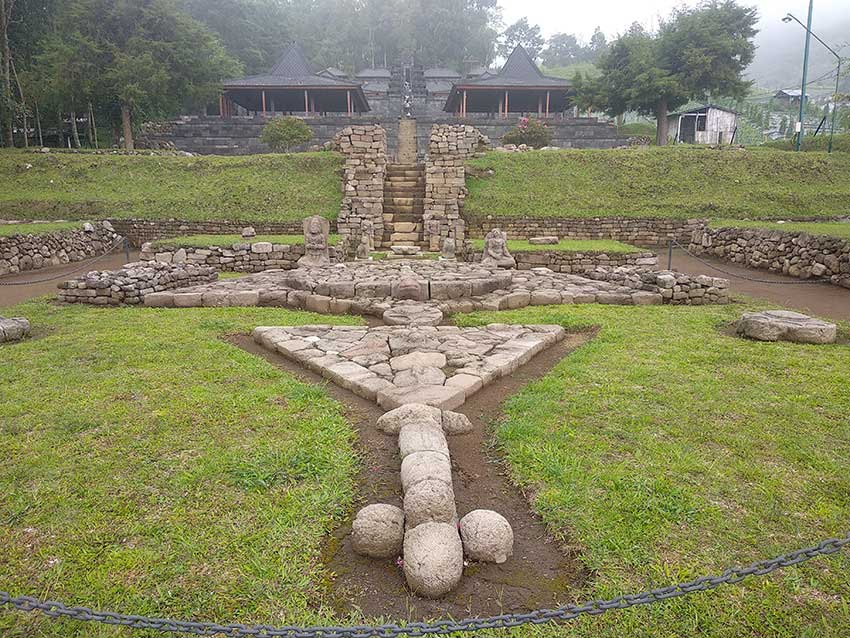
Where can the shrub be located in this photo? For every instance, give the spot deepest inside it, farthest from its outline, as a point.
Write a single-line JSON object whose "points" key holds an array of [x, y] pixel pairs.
{"points": [[530, 132], [284, 133]]}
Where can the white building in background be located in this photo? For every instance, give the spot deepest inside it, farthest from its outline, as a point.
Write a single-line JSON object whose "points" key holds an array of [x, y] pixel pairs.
{"points": [[709, 124]]}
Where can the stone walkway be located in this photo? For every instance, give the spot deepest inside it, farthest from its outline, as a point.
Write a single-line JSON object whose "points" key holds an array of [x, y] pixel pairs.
{"points": [[394, 365]]}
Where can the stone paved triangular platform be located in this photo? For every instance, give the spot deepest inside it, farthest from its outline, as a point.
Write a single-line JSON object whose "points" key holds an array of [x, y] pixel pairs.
{"points": [[394, 365]]}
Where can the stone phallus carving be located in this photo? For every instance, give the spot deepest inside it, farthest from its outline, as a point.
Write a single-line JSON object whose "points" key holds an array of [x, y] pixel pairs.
{"points": [[316, 252], [496, 253]]}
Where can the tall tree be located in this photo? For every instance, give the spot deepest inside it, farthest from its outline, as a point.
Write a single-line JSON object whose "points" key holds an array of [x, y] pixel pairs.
{"points": [[524, 34], [8, 104], [598, 44], [562, 49], [697, 52]]}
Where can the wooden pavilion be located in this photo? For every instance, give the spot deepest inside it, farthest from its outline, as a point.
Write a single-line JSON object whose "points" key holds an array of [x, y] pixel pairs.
{"points": [[519, 87], [291, 87]]}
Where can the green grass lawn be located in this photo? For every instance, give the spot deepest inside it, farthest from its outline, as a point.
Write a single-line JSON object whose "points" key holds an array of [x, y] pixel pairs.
{"points": [[150, 467], [36, 229], [833, 229], [819, 143], [203, 241], [660, 182], [568, 246], [85, 186]]}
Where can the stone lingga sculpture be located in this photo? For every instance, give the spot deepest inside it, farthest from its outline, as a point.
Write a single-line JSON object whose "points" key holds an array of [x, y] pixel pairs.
{"points": [[316, 252], [363, 247], [496, 253]]}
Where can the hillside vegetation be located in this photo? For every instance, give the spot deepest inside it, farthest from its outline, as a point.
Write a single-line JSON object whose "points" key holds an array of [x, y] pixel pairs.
{"points": [[840, 143], [87, 186], [684, 182]]}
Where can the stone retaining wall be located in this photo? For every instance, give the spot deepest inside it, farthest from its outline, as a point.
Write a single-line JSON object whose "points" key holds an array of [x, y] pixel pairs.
{"points": [[791, 253], [675, 288], [139, 231], [20, 253], [576, 263], [239, 257], [641, 232], [131, 283]]}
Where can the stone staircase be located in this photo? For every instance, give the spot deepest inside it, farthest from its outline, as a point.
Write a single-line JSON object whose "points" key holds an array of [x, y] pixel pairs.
{"points": [[404, 193]]}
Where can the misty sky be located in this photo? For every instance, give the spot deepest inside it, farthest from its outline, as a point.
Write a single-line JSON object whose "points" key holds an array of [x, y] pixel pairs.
{"points": [[614, 16]]}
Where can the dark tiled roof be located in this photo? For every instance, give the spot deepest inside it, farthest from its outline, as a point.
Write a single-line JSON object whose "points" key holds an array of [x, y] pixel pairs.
{"points": [[291, 70], [519, 70], [438, 86], [334, 72], [705, 107], [438, 72]]}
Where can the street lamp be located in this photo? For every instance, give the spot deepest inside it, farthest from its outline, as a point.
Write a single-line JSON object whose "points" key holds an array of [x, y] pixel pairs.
{"points": [[788, 18]]}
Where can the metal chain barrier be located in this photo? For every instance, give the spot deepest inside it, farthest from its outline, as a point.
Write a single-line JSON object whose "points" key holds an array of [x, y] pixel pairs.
{"points": [[85, 265], [732, 575], [673, 242]]}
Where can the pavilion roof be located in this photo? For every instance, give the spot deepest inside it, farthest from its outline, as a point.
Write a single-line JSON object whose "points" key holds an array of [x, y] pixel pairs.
{"points": [[518, 71], [291, 71]]}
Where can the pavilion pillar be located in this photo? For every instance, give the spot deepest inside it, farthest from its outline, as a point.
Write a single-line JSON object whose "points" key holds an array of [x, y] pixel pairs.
{"points": [[273, 109], [263, 93], [539, 105], [547, 103], [463, 110], [306, 103], [348, 100], [221, 105], [506, 103]]}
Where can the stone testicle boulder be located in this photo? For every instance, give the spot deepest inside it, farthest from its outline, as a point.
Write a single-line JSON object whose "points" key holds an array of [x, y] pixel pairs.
{"points": [[487, 536], [378, 531], [433, 559], [394, 420], [430, 502], [456, 423], [783, 325]]}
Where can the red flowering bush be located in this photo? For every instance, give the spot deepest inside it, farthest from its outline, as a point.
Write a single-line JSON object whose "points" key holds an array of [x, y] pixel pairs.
{"points": [[530, 132]]}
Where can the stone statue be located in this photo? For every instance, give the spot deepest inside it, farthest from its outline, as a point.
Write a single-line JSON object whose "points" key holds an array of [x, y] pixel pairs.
{"points": [[433, 227], [363, 247], [367, 227], [343, 249], [447, 252], [408, 286], [496, 253], [316, 231]]}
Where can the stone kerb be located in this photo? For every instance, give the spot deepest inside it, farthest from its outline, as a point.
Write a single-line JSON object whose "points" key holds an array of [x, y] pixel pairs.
{"points": [[365, 150], [449, 146], [19, 253], [794, 254]]}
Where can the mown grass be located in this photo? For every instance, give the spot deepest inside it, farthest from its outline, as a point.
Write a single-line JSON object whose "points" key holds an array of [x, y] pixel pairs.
{"points": [[660, 183], [568, 246], [203, 241], [815, 143], [7, 230], [833, 229], [85, 186], [152, 468], [665, 449]]}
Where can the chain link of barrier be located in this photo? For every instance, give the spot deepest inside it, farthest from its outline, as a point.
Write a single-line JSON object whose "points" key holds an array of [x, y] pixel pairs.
{"points": [[86, 264], [673, 242], [732, 575]]}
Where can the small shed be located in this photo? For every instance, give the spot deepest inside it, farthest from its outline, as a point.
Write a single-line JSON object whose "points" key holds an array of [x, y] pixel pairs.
{"points": [[708, 124], [789, 97]]}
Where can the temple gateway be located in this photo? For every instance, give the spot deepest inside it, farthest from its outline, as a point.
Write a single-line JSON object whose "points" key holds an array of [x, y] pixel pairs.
{"points": [[406, 99]]}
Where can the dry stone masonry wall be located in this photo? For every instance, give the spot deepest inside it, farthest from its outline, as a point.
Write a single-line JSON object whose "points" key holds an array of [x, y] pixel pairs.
{"points": [[140, 231], [133, 282], [791, 253], [20, 253], [675, 288], [362, 209], [570, 262], [449, 147], [238, 257]]}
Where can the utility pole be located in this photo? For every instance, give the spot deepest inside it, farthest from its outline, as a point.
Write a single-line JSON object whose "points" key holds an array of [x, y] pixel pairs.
{"points": [[805, 75]]}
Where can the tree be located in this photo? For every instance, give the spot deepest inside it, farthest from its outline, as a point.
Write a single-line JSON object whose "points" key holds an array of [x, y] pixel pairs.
{"points": [[8, 104], [562, 49], [697, 52], [523, 34], [284, 133], [598, 45]]}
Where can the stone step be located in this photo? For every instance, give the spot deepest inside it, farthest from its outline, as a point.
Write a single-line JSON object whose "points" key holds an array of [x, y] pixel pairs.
{"points": [[406, 227], [403, 201], [411, 209], [405, 167], [400, 237], [405, 218], [403, 182], [405, 174]]}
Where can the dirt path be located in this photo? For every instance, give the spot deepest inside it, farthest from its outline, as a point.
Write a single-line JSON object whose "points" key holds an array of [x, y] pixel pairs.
{"points": [[824, 300], [541, 572], [11, 295]]}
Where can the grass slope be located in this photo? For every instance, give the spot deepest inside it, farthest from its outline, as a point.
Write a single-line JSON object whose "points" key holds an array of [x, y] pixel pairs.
{"points": [[833, 229], [151, 467], [7, 230], [661, 182], [819, 143], [568, 246], [664, 450], [85, 186]]}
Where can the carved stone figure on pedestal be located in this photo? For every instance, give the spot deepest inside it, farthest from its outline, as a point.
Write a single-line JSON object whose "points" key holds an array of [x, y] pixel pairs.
{"points": [[447, 252], [363, 247], [496, 253], [433, 226], [367, 227], [316, 231]]}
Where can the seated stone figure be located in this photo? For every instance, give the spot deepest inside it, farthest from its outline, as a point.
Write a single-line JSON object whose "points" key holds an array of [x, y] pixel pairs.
{"points": [[496, 253], [316, 252]]}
